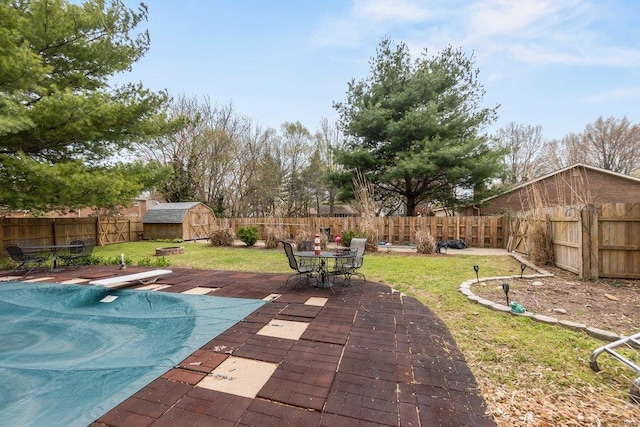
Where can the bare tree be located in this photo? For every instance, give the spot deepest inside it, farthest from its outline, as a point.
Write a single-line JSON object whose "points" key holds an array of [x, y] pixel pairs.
{"points": [[260, 176], [613, 144], [523, 146], [213, 158], [329, 138], [610, 144], [296, 149], [239, 169], [558, 154]]}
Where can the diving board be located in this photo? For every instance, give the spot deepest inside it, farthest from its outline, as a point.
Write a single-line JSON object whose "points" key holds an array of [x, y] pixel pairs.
{"points": [[143, 278]]}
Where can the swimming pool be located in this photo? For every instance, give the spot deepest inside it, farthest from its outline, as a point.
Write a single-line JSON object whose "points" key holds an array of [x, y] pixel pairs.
{"points": [[66, 358]]}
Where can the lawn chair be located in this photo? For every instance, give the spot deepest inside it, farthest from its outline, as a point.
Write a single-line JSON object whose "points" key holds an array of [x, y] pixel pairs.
{"points": [[25, 259], [302, 271], [351, 267]]}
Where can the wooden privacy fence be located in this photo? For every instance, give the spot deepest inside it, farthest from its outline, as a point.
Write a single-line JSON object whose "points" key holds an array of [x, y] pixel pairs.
{"points": [[476, 231], [591, 241], [484, 231], [56, 231]]}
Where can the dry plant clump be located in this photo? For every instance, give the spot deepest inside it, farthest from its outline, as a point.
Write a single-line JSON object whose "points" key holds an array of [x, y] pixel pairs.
{"points": [[425, 243], [273, 235], [303, 234], [222, 236], [303, 240], [539, 246], [366, 204], [541, 251], [367, 228]]}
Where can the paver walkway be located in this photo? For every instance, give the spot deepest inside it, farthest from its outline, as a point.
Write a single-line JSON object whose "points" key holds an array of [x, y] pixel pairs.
{"points": [[364, 356]]}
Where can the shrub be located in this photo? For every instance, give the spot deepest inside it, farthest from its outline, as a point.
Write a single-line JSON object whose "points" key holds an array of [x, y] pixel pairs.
{"points": [[222, 237], [273, 235], [248, 235], [425, 243], [347, 236], [115, 260], [157, 262], [92, 260]]}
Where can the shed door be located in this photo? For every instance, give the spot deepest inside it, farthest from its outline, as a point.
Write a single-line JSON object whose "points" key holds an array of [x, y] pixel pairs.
{"points": [[199, 226]]}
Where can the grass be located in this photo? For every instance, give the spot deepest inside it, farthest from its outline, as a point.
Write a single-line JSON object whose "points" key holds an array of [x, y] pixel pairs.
{"points": [[527, 370]]}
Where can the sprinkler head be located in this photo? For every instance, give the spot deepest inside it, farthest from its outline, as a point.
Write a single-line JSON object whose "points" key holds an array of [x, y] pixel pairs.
{"points": [[522, 268], [476, 268]]}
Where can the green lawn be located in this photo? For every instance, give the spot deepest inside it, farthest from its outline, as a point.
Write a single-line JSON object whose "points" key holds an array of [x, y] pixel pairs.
{"points": [[522, 366]]}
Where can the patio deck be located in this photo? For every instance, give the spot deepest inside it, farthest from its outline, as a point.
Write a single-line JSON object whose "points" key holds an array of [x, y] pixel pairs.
{"points": [[367, 356]]}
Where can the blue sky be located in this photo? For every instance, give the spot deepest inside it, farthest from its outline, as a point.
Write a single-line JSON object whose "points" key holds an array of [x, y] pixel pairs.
{"points": [[556, 63]]}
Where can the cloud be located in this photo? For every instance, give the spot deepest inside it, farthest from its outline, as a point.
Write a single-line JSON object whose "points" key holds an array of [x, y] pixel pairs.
{"points": [[368, 19], [539, 32], [517, 19], [613, 95], [614, 57], [390, 11]]}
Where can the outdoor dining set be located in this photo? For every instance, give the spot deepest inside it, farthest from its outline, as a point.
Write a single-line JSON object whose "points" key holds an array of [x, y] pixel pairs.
{"points": [[326, 268], [29, 257]]}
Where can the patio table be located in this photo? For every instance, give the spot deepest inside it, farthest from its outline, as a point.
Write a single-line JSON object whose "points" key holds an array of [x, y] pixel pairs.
{"points": [[53, 249], [322, 263]]}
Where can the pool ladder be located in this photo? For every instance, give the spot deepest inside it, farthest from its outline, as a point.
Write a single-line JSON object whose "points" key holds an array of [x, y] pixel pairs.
{"points": [[632, 342]]}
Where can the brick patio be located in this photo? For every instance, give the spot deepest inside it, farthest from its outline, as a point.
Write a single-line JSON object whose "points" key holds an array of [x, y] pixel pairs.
{"points": [[367, 356]]}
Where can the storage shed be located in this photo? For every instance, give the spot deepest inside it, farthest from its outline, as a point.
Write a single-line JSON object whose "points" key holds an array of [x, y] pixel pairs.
{"points": [[185, 220]]}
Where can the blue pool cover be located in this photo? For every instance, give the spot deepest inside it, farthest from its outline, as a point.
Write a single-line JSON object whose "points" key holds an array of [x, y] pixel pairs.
{"points": [[66, 358]]}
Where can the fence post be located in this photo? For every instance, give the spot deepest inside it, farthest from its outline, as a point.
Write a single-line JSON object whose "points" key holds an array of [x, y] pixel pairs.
{"points": [[589, 247]]}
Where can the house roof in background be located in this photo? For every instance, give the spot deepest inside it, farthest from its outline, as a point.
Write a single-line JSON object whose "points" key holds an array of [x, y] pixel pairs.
{"points": [[559, 171], [168, 213]]}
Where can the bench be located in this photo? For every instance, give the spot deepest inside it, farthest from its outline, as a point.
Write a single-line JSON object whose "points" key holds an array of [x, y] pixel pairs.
{"points": [[143, 278]]}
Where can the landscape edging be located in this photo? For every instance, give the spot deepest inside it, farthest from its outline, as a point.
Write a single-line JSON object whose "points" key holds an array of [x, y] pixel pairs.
{"points": [[465, 288]]}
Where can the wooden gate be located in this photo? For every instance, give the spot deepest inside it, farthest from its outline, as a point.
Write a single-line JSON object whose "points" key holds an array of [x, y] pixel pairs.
{"points": [[566, 238], [113, 230], [517, 241]]}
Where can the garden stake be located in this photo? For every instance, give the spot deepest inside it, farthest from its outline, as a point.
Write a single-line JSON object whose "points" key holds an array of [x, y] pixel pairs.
{"points": [[476, 268], [505, 288]]}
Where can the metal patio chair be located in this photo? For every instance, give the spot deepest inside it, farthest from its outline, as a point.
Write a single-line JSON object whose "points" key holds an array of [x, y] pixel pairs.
{"points": [[302, 271], [25, 259], [80, 255], [351, 267]]}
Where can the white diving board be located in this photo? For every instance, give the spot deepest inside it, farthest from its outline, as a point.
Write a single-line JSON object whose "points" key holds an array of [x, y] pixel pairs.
{"points": [[143, 278]]}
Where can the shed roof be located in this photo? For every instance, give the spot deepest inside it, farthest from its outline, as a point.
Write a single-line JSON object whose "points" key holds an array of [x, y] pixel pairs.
{"points": [[168, 213]]}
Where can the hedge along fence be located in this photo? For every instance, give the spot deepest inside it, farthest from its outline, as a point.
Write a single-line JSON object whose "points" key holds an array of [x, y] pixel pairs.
{"points": [[476, 231]]}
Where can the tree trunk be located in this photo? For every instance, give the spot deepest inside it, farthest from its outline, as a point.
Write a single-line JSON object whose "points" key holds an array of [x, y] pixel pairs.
{"points": [[411, 206]]}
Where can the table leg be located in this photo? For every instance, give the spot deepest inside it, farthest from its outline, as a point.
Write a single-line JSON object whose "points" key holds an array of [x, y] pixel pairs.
{"points": [[322, 269], [54, 259]]}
